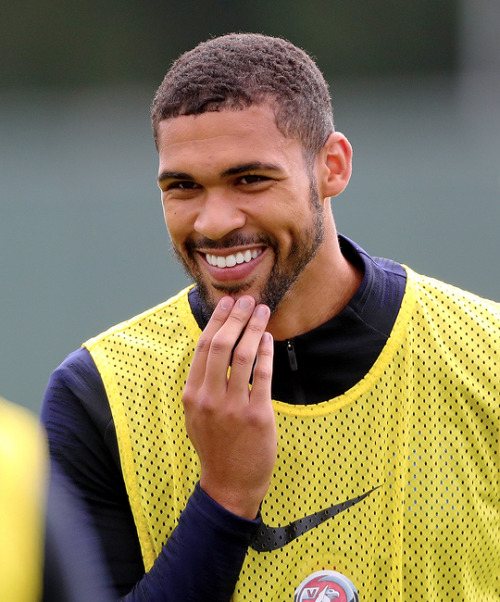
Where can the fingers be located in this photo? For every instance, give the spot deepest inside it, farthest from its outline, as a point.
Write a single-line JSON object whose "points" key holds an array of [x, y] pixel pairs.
{"points": [[250, 348], [236, 344], [232, 323]]}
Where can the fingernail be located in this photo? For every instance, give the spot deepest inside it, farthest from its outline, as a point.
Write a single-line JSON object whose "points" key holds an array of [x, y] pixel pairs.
{"points": [[244, 302], [225, 303], [267, 337], [261, 311]]}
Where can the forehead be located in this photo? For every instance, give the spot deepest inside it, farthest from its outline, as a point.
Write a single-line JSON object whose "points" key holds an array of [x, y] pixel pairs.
{"points": [[225, 136]]}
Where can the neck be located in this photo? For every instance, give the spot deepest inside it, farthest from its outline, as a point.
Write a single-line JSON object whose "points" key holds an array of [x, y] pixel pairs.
{"points": [[322, 291]]}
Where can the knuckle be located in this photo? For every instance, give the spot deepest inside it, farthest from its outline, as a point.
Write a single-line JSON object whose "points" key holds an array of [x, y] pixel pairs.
{"points": [[197, 399], [259, 420], [220, 344], [203, 343], [188, 396], [262, 374], [206, 404], [266, 352], [232, 415], [203, 403], [238, 318], [242, 357], [255, 326]]}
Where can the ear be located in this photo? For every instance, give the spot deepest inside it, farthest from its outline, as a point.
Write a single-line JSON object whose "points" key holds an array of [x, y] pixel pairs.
{"points": [[335, 165]]}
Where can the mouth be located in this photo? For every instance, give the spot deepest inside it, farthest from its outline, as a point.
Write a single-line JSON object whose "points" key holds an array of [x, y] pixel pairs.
{"points": [[236, 265], [233, 259]]}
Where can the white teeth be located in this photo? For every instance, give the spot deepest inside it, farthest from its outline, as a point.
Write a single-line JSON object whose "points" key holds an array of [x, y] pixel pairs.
{"points": [[231, 260]]}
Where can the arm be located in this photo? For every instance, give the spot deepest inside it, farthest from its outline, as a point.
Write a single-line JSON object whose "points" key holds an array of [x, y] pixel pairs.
{"points": [[232, 428], [209, 540]]}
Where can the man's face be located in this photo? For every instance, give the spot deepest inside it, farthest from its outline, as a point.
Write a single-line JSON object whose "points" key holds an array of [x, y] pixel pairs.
{"points": [[240, 204]]}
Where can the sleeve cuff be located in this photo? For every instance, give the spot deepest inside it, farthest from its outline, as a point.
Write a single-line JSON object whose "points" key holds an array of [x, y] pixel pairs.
{"points": [[221, 518]]}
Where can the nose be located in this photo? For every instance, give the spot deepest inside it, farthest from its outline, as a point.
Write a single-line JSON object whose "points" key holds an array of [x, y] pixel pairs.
{"points": [[218, 216]]}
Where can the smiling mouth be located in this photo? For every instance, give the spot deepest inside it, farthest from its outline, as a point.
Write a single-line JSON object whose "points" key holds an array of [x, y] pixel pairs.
{"points": [[229, 261]]}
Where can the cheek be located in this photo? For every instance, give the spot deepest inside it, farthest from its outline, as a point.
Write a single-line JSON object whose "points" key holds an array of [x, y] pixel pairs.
{"points": [[177, 222], [165, 215]]}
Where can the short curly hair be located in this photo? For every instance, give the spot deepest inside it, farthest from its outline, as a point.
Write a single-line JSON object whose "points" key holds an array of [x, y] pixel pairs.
{"points": [[234, 71]]}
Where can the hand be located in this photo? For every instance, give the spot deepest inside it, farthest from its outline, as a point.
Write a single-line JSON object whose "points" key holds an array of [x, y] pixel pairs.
{"points": [[232, 425]]}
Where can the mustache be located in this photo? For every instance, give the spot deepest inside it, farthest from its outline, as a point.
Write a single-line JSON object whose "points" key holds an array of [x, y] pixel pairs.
{"points": [[232, 240]]}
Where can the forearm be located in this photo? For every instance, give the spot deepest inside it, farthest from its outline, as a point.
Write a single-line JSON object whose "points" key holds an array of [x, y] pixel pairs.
{"points": [[202, 558]]}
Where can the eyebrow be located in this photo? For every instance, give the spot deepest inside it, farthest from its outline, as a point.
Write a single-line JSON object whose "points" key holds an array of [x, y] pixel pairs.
{"points": [[174, 175], [255, 166], [232, 171]]}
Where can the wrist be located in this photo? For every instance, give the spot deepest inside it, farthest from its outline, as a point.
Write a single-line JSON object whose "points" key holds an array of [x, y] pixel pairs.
{"points": [[243, 504]]}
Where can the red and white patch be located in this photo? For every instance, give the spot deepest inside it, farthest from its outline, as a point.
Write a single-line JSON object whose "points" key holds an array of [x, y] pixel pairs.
{"points": [[326, 586]]}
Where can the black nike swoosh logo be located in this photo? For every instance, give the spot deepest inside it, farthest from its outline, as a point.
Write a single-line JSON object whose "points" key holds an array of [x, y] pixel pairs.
{"points": [[268, 538]]}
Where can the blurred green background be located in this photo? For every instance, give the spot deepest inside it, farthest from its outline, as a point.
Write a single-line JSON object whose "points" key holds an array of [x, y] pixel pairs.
{"points": [[415, 87]]}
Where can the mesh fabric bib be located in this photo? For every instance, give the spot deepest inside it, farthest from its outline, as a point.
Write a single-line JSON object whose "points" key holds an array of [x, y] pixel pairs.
{"points": [[395, 484]]}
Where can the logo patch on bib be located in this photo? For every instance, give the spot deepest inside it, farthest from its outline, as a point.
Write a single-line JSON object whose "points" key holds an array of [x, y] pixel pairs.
{"points": [[326, 586]]}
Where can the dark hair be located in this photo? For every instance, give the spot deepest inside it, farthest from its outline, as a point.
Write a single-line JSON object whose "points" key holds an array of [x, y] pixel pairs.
{"points": [[235, 71]]}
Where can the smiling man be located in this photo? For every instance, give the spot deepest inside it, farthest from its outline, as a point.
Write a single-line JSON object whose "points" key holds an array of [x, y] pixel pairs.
{"points": [[304, 421]]}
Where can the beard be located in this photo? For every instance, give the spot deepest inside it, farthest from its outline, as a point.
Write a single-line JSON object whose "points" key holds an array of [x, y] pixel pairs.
{"points": [[284, 273]]}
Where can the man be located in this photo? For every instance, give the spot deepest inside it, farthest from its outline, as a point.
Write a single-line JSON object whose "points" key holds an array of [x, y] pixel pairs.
{"points": [[305, 416]]}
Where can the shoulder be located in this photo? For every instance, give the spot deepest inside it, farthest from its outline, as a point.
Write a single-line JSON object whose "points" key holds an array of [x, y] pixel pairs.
{"points": [[451, 314], [75, 400], [76, 372], [452, 298]]}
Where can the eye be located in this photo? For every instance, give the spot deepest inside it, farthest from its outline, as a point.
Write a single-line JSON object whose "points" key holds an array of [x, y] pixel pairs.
{"points": [[182, 185], [253, 179]]}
